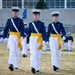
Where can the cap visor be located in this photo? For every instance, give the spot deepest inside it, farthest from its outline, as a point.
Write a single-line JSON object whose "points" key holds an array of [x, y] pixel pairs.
{"points": [[36, 13], [15, 10], [55, 15]]}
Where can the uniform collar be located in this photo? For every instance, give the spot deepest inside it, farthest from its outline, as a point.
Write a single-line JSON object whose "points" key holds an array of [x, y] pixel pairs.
{"points": [[14, 17], [25, 28], [36, 21], [55, 22]]}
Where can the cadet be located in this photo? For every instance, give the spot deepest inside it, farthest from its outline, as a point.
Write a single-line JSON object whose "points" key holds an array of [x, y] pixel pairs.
{"points": [[37, 33], [1, 36], [16, 26], [70, 40], [65, 42], [24, 41], [54, 30]]}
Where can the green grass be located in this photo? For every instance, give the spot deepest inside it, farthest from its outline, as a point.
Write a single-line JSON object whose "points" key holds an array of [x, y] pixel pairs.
{"points": [[67, 64]]}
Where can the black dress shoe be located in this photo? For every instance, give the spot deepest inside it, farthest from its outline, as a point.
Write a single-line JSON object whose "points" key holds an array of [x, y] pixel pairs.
{"points": [[33, 70], [24, 55], [37, 71], [55, 68], [11, 68]]}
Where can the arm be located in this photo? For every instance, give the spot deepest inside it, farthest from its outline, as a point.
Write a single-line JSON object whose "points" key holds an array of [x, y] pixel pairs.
{"points": [[22, 28], [29, 33], [48, 33], [6, 29], [63, 31], [44, 33]]}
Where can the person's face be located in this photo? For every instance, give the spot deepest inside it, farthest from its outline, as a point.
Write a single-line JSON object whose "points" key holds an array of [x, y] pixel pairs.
{"points": [[67, 34], [55, 18], [25, 26], [15, 14], [36, 16]]}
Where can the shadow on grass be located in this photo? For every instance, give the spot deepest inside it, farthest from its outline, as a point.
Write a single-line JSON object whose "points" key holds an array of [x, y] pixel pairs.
{"points": [[44, 73], [68, 72], [28, 72], [68, 51], [22, 72]]}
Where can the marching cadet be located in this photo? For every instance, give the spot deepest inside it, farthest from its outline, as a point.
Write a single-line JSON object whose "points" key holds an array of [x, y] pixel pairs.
{"points": [[54, 30], [37, 33], [70, 40], [16, 26], [1, 36], [65, 42], [24, 41]]}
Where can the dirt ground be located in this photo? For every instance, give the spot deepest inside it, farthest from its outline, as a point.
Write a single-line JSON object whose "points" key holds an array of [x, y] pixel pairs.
{"points": [[67, 64]]}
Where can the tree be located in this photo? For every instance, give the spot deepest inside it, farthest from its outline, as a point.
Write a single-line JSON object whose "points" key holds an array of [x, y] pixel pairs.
{"points": [[41, 5]]}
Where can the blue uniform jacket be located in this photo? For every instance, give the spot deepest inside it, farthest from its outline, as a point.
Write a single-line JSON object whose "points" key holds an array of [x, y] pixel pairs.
{"points": [[59, 27], [1, 36], [9, 26], [41, 28], [70, 38], [26, 30], [66, 40]]}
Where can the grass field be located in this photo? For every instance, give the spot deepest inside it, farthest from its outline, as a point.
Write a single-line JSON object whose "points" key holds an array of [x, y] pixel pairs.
{"points": [[67, 65]]}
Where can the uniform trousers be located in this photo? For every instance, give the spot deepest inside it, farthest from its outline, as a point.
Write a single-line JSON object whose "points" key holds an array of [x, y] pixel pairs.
{"points": [[24, 46], [35, 53], [14, 51], [55, 53]]}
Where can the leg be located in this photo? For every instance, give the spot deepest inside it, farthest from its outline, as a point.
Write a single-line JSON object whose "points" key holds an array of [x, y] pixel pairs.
{"points": [[69, 46], [58, 57], [39, 57], [34, 57], [54, 53], [24, 47], [17, 56], [53, 48], [11, 54], [34, 54], [66, 46]]}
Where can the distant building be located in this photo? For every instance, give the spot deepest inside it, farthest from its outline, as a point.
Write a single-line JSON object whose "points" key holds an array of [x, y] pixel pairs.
{"points": [[32, 3], [67, 17]]}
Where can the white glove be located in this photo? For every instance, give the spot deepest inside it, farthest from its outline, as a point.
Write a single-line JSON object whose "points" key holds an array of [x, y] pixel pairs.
{"points": [[21, 38], [43, 42], [5, 40], [44, 46], [47, 43], [63, 38]]}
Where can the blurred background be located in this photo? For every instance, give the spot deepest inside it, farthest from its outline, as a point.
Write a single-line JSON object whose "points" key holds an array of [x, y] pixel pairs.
{"points": [[65, 7]]}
